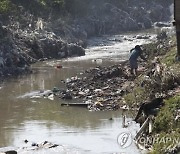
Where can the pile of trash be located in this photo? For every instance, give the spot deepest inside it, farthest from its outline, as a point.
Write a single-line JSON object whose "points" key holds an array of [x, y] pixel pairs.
{"points": [[101, 88], [159, 79]]}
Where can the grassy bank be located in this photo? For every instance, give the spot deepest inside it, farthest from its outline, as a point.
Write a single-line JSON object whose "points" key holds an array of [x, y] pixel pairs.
{"points": [[167, 123], [167, 126], [166, 83], [149, 83]]}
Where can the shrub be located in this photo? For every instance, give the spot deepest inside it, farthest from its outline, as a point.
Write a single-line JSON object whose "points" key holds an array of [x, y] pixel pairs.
{"points": [[165, 121], [5, 6]]}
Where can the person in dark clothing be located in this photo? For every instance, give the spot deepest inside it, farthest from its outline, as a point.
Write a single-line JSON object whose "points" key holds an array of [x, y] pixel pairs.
{"points": [[135, 53]]}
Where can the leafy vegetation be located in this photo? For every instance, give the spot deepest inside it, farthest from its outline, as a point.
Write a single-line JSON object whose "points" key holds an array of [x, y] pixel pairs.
{"points": [[5, 6], [169, 58], [166, 142], [165, 121], [167, 125], [137, 96]]}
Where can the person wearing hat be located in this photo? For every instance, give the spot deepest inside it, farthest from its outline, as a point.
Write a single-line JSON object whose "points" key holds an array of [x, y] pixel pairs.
{"points": [[135, 53]]}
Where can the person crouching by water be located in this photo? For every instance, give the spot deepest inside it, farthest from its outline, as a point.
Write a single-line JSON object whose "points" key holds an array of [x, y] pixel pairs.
{"points": [[134, 54]]}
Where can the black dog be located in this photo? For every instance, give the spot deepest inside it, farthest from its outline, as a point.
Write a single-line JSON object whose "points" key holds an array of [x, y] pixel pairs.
{"points": [[149, 108]]}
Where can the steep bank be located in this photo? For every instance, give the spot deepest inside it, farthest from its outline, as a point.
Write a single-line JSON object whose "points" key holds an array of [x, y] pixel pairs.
{"points": [[39, 30]]}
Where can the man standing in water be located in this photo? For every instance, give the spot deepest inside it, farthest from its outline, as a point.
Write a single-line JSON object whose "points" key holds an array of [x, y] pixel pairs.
{"points": [[135, 53]]}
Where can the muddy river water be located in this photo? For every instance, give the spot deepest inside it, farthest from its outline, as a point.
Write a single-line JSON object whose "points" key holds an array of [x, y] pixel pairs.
{"points": [[76, 130]]}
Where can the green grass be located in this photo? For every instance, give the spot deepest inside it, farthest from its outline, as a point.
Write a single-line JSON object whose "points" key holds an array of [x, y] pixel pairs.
{"points": [[137, 96], [169, 58], [165, 121], [165, 142], [166, 126]]}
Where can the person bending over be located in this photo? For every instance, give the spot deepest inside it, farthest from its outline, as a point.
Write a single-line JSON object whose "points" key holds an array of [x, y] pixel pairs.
{"points": [[135, 53]]}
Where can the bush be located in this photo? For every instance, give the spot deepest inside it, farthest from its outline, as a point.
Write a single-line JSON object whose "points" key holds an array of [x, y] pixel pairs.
{"points": [[165, 121], [167, 143], [167, 127], [5, 6]]}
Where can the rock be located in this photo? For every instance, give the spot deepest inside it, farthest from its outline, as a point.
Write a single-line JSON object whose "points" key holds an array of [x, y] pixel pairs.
{"points": [[11, 152]]}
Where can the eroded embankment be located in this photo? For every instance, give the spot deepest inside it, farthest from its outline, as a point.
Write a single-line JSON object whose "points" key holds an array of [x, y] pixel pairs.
{"points": [[37, 30]]}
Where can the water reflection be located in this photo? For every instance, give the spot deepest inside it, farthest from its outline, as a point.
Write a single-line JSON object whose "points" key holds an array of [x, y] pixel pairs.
{"points": [[41, 119]]}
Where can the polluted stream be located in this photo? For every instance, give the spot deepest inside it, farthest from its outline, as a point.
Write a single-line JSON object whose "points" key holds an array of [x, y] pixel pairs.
{"points": [[73, 129]]}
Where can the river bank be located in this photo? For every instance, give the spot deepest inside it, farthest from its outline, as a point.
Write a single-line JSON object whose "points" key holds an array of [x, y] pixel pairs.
{"points": [[113, 88]]}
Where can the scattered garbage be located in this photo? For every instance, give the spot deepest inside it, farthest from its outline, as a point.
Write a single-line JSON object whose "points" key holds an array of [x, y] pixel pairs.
{"points": [[100, 89]]}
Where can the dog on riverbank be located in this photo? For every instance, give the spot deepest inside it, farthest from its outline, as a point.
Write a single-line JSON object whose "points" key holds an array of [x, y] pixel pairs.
{"points": [[149, 108]]}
